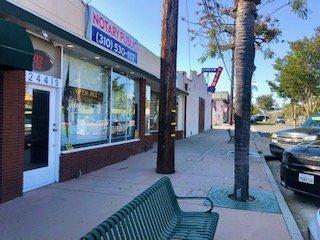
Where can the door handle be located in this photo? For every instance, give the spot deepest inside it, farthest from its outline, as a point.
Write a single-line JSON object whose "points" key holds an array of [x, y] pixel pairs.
{"points": [[55, 130]]}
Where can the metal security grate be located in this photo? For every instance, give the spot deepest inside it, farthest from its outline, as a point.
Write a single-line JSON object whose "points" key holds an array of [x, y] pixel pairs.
{"points": [[264, 201]]}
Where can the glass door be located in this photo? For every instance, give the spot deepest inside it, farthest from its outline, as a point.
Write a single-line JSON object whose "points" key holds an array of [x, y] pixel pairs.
{"points": [[39, 132]]}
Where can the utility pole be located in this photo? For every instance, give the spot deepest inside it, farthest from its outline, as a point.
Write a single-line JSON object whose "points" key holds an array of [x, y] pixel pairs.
{"points": [[167, 105]]}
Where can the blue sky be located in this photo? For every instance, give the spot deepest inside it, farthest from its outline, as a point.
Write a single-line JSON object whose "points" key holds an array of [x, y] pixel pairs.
{"points": [[142, 19]]}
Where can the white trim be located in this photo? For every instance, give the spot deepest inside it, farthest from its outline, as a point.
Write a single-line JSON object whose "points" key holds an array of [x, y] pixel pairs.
{"points": [[58, 120], [38, 177], [39, 79], [99, 146]]}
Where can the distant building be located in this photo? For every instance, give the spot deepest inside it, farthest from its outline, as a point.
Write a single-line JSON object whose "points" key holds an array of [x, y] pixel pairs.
{"points": [[220, 107], [198, 102]]}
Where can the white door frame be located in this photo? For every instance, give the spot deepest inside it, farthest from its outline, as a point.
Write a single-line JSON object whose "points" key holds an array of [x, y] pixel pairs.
{"points": [[49, 174]]}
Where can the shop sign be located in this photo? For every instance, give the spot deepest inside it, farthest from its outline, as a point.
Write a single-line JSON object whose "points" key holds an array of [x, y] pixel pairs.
{"points": [[41, 61], [212, 87], [42, 79], [89, 95], [110, 36]]}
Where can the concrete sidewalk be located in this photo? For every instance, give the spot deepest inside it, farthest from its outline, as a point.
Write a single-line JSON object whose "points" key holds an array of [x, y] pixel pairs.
{"points": [[69, 210]]}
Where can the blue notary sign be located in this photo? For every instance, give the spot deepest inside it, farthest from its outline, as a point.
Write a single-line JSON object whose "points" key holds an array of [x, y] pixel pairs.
{"points": [[110, 36]]}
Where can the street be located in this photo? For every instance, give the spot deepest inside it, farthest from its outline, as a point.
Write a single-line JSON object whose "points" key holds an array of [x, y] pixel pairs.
{"points": [[303, 207]]}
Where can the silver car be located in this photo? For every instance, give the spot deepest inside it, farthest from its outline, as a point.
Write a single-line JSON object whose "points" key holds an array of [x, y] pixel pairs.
{"points": [[309, 131]]}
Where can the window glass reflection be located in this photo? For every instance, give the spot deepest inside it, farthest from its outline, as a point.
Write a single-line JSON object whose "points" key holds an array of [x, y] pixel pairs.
{"points": [[147, 109], [124, 108], [85, 104], [154, 112]]}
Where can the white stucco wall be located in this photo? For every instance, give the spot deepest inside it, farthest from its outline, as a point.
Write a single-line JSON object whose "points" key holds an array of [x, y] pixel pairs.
{"points": [[180, 114], [197, 88], [71, 16], [219, 112]]}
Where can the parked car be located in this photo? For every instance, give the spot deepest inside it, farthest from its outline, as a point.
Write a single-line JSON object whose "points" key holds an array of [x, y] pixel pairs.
{"points": [[300, 168], [259, 118], [314, 227], [280, 120], [309, 131]]}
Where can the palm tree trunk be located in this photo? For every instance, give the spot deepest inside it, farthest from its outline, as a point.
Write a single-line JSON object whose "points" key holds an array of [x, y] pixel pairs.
{"points": [[244, 66]]}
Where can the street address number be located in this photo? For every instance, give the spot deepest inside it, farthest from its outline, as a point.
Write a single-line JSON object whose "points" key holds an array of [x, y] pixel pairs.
{"points": [[41, 79]]}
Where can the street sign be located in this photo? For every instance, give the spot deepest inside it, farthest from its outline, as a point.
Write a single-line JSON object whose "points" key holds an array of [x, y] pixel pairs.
{"points": [[209, 70], [212, 87]]}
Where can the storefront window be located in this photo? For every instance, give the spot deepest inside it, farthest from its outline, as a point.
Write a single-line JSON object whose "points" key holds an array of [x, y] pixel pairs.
{"points": [[124, 108], [147, 110], [154, 112], [85, 104]]}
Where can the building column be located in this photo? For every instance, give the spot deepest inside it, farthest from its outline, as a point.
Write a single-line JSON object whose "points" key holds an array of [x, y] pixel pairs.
{"points": [[142, 107], [142, 115], [12, 90]]}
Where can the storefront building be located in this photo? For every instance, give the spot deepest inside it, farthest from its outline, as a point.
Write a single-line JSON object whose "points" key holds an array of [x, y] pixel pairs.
{"points": [[198, 103], [77, 93], [220, 108]]}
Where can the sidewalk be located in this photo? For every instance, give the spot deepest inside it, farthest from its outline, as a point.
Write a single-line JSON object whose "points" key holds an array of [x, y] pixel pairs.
{"points": [[69, 210]]}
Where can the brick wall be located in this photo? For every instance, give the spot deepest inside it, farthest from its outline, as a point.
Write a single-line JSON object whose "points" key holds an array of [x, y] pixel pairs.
{"points": [[90, 160], [12, 89]]}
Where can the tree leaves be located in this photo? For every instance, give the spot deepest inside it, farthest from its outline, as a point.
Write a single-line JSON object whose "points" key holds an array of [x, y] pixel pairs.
{"points": [[300, 7], [265, 102], [216, 28], [298, 74]]}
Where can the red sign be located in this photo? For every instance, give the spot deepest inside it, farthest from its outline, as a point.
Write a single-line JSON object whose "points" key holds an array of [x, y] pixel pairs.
{"points": [[212, 87], [41, 61], [216, 77]]}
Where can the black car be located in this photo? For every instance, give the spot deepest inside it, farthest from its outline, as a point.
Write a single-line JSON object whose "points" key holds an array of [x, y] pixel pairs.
{"points": [[309, 131], [300, 168]]}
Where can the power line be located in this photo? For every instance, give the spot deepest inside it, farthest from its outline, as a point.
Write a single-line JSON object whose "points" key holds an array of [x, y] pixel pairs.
{"points": [[205, 4], [189, 40]]}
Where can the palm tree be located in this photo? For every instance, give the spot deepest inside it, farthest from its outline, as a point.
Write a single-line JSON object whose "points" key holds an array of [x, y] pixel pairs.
{"points": [[244, 67], [246, 14]]}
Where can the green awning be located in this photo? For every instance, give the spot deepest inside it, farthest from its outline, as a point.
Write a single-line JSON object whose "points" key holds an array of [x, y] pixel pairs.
{"points": [[16, 50]]}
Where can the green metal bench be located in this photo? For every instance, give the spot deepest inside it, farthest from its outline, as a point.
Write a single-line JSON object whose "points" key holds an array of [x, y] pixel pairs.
{"points": [[155, 214], [232, 135]]}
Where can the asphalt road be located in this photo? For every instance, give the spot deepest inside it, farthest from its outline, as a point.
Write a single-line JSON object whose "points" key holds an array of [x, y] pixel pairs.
{"points": [[303, 207], [270, 128]]}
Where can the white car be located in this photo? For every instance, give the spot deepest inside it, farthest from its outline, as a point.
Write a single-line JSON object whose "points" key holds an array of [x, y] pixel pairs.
{"points": [[314, 228]]}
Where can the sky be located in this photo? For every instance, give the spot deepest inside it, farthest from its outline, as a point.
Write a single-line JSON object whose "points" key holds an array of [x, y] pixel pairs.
{"points": [[142, 19]]}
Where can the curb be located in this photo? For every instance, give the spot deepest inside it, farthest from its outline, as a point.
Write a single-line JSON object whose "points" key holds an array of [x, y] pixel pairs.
{"points": [[292, 226]]}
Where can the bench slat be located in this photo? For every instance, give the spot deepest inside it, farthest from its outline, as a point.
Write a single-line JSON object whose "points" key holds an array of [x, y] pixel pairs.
{"points": [[155, 214]]}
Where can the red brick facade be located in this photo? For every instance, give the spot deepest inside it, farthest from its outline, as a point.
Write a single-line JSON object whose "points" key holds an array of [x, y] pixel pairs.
{"points": [[72, 164], [12, 89]]}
